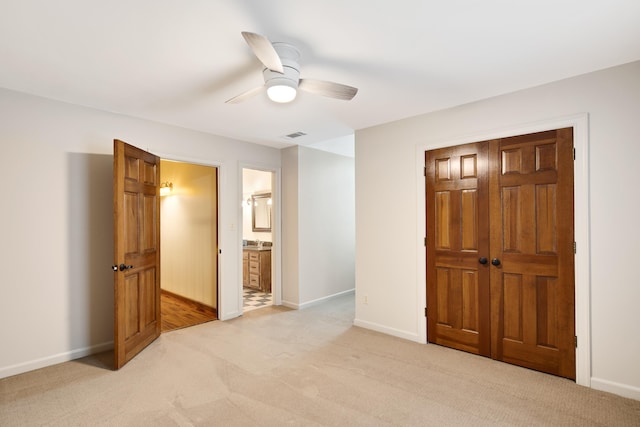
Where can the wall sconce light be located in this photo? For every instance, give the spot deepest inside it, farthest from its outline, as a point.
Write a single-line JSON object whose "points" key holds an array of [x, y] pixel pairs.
{"points": [[246, 203], [166, 188]]}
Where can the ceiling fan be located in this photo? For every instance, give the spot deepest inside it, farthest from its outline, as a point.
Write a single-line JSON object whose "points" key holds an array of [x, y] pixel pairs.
{"points": [[282, 74]]}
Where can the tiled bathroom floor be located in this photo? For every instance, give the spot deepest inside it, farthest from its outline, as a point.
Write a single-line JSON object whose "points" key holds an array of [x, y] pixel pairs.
{"points": [[254, 299]]}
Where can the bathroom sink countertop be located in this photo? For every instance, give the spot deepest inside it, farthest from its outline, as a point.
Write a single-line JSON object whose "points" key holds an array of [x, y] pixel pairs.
{"points": [[257, 248]]}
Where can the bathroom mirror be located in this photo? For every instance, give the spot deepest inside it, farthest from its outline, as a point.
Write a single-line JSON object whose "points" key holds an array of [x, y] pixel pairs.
{"points": [[261, 212]]}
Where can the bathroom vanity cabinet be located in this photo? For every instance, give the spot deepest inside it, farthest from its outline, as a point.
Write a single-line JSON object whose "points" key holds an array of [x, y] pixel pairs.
{"points": [[256, 268]]}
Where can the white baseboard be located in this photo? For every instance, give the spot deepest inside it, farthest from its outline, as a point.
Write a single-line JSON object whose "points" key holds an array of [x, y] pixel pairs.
{"points": [[32, 365], [290, 305], [411, 336], [311, 303], [616, 388]]}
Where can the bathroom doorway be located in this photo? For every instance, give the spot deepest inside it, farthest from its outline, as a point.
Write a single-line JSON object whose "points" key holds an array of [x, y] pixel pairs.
{"points": [[257, 238]]}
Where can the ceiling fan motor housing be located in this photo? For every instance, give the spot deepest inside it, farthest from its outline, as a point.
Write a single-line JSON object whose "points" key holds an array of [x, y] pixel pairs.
{"points": [[289, 56]]}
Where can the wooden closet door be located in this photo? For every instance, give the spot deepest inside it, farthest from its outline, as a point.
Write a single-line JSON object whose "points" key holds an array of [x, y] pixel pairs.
{"points": [[531, 222], [500, 259], [457, 237]]}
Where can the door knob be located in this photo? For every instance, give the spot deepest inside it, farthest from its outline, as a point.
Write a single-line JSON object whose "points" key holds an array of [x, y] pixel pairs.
{"points": [[125, 267], [495, 262], [482, 260]]}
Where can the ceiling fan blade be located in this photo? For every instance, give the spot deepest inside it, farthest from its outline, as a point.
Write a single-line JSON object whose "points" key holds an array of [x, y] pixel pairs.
{"points": [[246, 95], [264, 50], [330, 89]]}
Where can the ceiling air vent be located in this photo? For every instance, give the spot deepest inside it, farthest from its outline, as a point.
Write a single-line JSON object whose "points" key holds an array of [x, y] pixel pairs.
{"points": [[295, 135]]}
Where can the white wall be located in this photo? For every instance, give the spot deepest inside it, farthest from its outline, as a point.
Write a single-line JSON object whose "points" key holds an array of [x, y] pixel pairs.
{"points": [[389, 260], [290, 225], [323, 205], [57, 240]]}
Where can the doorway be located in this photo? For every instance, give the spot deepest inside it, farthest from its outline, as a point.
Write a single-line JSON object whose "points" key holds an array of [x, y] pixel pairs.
{"points": [[257, 239], [137, 189], [500, 266], [189, 234]]}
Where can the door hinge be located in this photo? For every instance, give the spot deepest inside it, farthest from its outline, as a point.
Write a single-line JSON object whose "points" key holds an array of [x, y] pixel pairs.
{"points": [[424, 171], [425, 242], [575, 340], [575, 248], [425, 312], [574, 154]]}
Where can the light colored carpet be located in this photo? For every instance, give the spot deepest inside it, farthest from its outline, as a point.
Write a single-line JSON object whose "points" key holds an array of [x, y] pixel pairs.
{"points": [[309, 367]]}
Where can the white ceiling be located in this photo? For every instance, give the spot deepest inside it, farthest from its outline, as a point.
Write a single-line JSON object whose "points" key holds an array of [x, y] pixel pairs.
{"points": [[177, 61]]}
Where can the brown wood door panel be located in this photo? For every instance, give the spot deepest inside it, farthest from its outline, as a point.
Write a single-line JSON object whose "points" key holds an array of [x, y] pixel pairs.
{"points": [[460, 340], [532, 291], [460, 294], [538, 358], [136, 180], [512, 200]]}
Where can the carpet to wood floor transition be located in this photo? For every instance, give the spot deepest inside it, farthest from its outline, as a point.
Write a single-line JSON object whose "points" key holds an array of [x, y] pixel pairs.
{"points": [[178, 312]]}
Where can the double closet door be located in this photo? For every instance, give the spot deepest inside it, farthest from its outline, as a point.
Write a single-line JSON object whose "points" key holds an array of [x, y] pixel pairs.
{"points": [[500, 250]]}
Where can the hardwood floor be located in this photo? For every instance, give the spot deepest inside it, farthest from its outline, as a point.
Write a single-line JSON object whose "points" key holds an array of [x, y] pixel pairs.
{"points": [[178, 312]]}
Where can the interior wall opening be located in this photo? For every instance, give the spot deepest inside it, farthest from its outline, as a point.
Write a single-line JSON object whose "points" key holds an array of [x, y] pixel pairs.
{"points": [[257, 239], [189, 251]]}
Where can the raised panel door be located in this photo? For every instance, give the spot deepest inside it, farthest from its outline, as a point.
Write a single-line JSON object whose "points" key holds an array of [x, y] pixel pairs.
{"points": [[500, 261], [136, 176], [458, 297], [532, 290]]}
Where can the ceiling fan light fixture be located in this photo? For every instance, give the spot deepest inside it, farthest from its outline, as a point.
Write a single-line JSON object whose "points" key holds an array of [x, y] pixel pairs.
{"points": [[281, 73], [281, 92]]}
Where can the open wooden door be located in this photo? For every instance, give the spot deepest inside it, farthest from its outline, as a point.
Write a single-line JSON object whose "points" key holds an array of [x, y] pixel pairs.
{"points": [[136, 217]]}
